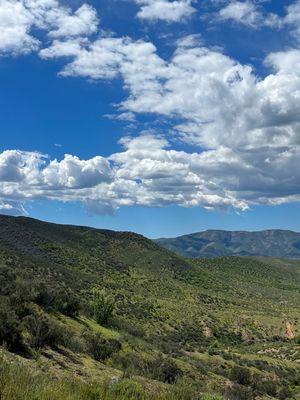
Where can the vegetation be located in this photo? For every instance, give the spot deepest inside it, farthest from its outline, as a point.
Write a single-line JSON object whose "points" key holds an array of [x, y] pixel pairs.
{"points": [[216, 243], [17, 382], [100, 348], [158, 326], [103, 307]]}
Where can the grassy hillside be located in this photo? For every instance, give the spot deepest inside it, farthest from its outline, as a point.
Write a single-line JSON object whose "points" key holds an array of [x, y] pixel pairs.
{"points": [[181, 329], [215, 243]]}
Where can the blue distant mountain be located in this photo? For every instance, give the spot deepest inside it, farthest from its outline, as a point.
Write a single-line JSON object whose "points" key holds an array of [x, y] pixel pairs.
{"points": [[214, 243]]}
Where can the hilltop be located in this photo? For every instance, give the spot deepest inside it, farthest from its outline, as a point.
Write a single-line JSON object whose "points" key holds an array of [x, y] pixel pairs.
{"points": [[181, 329], [216, 243]]}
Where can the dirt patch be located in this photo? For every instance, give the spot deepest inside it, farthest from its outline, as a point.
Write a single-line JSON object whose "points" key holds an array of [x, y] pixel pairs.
{"points": [[290, 334]]}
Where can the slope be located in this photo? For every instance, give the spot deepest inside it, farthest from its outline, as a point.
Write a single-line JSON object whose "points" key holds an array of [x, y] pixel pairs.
{"points": [[198, 325], [215, 243]]}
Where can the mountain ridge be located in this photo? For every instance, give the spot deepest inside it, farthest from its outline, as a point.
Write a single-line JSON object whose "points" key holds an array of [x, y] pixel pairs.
{"points": [[213, 243]]}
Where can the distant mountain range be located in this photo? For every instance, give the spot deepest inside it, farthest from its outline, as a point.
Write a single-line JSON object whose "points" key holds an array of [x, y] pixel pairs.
{"points": [[214, 243]]}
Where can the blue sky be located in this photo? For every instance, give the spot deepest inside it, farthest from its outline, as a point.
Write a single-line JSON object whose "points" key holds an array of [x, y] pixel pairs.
{"points": [[158, 116]]}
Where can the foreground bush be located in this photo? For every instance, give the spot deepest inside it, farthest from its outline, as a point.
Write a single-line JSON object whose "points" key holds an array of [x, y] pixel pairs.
{"points": [[19, 383], [129, 390], [45, 331]]}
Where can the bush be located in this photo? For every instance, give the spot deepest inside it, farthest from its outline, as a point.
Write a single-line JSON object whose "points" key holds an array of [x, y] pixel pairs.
{"points": [[239, 392], [98, 347], [133, 363], [267, 387], [45, 298], [240, 375], [285, 393], [129, 390], [45, 331], [103, 307], [10, 329], [263, 385], [211, 397], [60, 300], [188, 389], [66, 303], [166, 370], [23, 292], [128, 326]]}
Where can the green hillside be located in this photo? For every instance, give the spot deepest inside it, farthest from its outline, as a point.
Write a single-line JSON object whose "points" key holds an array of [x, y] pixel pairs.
{"points": [[180, 329], [216, 243]]}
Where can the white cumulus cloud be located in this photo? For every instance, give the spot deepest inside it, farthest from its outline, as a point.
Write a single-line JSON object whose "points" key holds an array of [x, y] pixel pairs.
{"points": [[15, 25], [249, 13], [166, 10], [243, 12], [19, 19], [247, 127], [148, 172]]}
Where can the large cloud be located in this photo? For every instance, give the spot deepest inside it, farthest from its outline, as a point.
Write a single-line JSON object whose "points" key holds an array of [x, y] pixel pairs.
{"points": [[218, 100], [15, 26], [19, 18], [149, 173]]}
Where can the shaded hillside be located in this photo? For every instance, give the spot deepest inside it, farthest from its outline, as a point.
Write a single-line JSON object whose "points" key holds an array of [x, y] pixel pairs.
{"points": [[215, 243], [80, 252], [180, 329]]}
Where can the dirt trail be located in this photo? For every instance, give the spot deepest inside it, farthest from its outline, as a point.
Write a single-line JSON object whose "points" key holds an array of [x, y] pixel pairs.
{"points": [[290, 334]]}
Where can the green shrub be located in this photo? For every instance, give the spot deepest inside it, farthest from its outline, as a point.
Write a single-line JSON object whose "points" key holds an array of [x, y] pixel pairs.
{"points": [[264, 385], [211, 397], [100, 348], [45, 331], [186, 389], [285, 393], [128, 326], [103, 307], [268, 387], [239, 392], [10, 329], [129, 390], [45, 298], [62, 300], [240, 375], [166, 370], [66, 303], [133, 363]]}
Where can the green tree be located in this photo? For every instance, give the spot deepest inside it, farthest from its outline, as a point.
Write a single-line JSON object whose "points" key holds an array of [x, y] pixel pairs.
{"points": [[103, 306]]}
